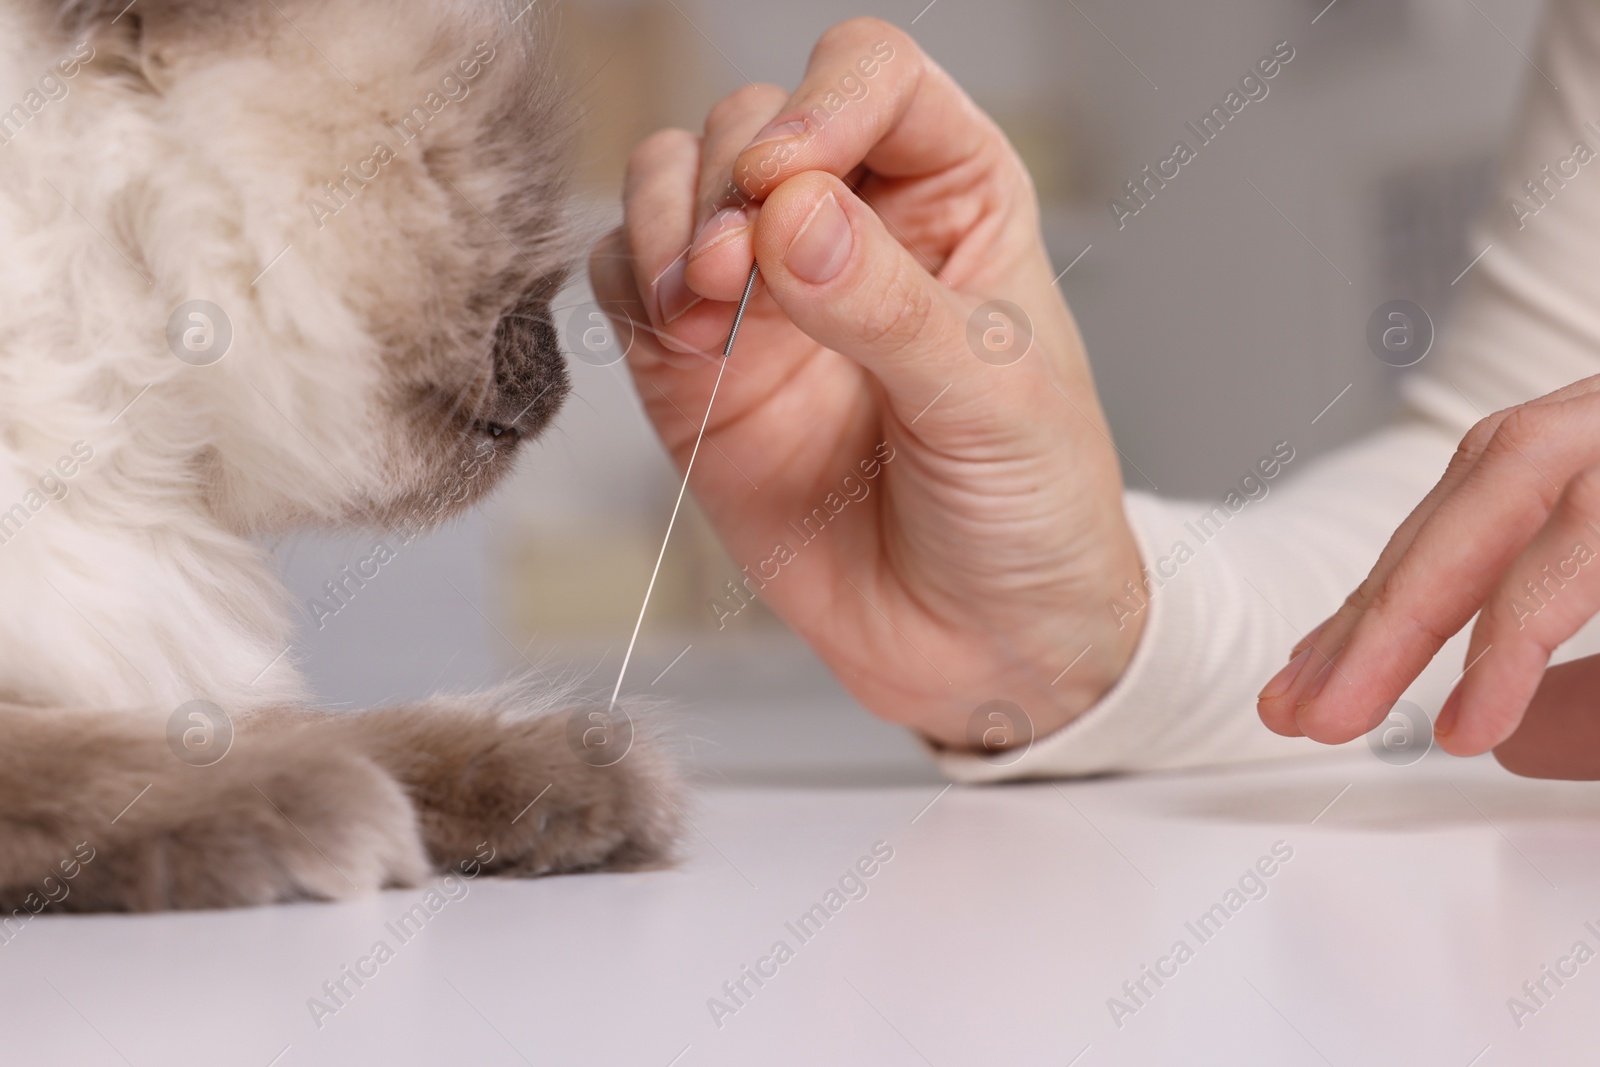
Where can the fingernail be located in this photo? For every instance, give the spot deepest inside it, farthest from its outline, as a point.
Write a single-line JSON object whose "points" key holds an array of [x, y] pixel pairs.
{"points": [[776, 131], [1281, 681], [674, 298], [820, 250], [1309, 639], [1445, 724], [728, 222], [1320, 680]]}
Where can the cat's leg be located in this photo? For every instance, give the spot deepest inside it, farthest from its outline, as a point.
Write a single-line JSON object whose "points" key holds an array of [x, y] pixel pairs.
{"points": [[98, 813], [503, 786]]}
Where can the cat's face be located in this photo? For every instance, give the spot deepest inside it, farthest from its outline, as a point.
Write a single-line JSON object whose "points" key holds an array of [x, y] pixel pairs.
{"points": [[372, 192]]}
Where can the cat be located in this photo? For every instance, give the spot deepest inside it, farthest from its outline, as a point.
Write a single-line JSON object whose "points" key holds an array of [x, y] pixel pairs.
{"points": [[267, 265]]}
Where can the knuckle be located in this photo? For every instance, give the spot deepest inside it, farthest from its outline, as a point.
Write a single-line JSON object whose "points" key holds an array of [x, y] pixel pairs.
{"points": [[1518, 430], [900, 316], [1364, 595], [1581, 497], [1515, 457], [1396, 599], [865, 34], [1477, 438], [655, 154], [1418, 625], [741, 102], [862, 28]]}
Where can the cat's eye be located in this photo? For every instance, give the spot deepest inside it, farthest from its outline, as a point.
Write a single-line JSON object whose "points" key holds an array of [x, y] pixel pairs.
{"points": [[498, 430]]}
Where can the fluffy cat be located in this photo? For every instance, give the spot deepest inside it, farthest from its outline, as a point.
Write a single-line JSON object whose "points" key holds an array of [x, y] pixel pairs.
{"points": [[365, 196]]}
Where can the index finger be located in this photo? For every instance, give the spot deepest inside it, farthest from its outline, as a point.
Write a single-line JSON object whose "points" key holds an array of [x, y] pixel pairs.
{"points": [[870, 96], [1278, 703], [1451, 567]]}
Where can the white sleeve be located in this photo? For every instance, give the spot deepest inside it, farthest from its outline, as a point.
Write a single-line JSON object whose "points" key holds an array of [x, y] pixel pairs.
{"points": [[1225, 619]]}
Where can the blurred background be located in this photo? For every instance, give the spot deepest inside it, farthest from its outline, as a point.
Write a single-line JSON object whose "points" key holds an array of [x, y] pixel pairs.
{"points": [[1221, 319]]}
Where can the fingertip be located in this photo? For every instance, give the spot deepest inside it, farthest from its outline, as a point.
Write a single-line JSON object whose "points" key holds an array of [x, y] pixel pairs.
{"points": [[1284, 701], [818, 244], [1334, 716], [686, 323], [1445, 723], [1494, 692], [690, 341], [1273, 718], [1457, 743], [759, 167], [839, 274], [1462, 727], [719, 261], [788, 209], [674, 297]]}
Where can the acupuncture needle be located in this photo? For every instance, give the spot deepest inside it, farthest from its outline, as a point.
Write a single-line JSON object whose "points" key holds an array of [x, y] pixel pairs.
{"points": [[727, 350]]}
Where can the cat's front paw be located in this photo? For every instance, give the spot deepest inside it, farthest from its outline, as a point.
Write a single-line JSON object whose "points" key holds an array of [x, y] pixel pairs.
{"points": [[282, 819], [500, 789]]}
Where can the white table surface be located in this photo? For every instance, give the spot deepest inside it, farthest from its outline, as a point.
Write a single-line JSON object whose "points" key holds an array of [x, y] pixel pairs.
{"points": [[1411, 910]]}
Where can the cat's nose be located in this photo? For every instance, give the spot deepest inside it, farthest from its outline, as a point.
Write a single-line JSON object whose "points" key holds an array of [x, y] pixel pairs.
{"points": [[530, 370]]}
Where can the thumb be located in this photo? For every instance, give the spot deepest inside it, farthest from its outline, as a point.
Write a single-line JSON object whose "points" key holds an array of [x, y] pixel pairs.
{"points": [[835, 270]]}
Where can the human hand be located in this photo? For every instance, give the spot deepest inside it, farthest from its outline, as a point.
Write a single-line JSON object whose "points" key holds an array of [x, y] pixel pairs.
{"points": [[966, 533], [1559, 736], [1508, 534]]}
